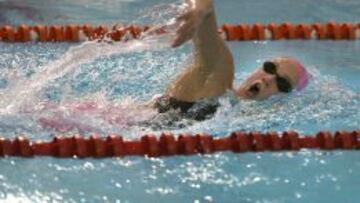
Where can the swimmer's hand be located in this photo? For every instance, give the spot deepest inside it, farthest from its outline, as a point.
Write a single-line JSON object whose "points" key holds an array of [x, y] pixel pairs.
{"points": [[191, 20]]}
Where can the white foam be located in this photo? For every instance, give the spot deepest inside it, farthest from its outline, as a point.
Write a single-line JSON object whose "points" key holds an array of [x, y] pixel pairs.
{"points": [[24, 91]]}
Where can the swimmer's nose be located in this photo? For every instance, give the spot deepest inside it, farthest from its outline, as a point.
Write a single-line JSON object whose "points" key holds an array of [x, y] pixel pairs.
{"points": [[268, 80]]}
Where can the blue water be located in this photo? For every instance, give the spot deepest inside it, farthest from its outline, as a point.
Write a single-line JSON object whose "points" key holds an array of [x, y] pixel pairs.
{"points": [[331, 102]]}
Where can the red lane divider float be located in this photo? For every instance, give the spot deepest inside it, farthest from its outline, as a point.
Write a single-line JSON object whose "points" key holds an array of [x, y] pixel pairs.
{"points": [[184, 144], [242, 32]]}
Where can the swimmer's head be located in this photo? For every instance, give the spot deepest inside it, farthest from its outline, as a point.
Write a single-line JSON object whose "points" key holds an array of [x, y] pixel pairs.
{"points": [[278, 75]]}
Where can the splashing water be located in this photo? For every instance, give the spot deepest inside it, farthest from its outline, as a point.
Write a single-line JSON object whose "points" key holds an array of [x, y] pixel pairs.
{"points": [[324, 103], [22, 109], [24, 91]]}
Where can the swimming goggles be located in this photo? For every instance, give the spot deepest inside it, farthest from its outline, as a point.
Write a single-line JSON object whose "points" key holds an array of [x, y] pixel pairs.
{"points": [[282, 83]]}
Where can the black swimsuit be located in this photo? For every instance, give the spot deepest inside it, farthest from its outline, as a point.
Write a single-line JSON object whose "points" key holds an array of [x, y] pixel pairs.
{"points": [[175, 114], [200, 110]]}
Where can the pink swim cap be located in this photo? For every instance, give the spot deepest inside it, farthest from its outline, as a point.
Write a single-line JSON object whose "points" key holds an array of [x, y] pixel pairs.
{"points": [[304, 76]]}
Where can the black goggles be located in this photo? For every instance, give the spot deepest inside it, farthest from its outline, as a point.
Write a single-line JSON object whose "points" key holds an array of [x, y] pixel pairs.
{"points": [[282, 83]]}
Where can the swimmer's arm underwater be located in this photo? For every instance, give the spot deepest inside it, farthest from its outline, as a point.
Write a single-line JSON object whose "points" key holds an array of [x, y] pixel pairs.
{"points": [[211, 73]]}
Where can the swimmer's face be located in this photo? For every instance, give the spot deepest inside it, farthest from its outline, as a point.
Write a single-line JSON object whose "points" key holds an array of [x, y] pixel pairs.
{"points": [[261, 84]]}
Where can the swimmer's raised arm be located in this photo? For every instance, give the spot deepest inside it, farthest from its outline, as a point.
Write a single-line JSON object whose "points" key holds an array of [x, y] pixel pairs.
{"points": [[196, 12], [212, 71]]}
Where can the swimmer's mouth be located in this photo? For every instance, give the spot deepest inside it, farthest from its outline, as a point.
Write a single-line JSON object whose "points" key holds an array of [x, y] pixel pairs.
{"points": [[253, 90]]}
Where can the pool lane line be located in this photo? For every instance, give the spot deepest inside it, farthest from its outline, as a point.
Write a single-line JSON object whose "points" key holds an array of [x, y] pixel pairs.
{"points": [[229, 32], [184, 144]]}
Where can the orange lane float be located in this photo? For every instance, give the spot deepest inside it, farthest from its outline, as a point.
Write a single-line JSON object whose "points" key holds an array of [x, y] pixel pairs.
{"points": [[184, 144], [240, 32]]}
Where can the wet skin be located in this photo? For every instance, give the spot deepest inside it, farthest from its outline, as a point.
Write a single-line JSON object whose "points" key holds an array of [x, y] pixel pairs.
{"points": [[212, 72]]}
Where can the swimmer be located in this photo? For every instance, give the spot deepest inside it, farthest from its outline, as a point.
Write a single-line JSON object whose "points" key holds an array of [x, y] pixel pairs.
{"points": [[212, 73], [193, 95]]}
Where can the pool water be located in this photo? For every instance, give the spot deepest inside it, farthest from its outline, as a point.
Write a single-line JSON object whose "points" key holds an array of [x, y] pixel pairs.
{"points": [[331, 102]]}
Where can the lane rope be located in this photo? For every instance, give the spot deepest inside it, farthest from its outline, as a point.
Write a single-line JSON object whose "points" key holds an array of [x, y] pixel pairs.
{"points": [[184, 144], [240, 32]]}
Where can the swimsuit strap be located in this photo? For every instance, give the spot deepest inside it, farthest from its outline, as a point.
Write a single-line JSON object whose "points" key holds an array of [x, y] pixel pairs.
{"points": [[199, 111], [166, 103]]}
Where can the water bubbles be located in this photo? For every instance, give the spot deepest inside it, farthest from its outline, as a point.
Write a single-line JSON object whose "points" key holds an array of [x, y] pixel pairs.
{"points": [[306, 162], [104, 198], [118, 185], [322, 161], [208, 198], [161, 190], [250, 165], [89, 166], [195, 186], [125, 163]]}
